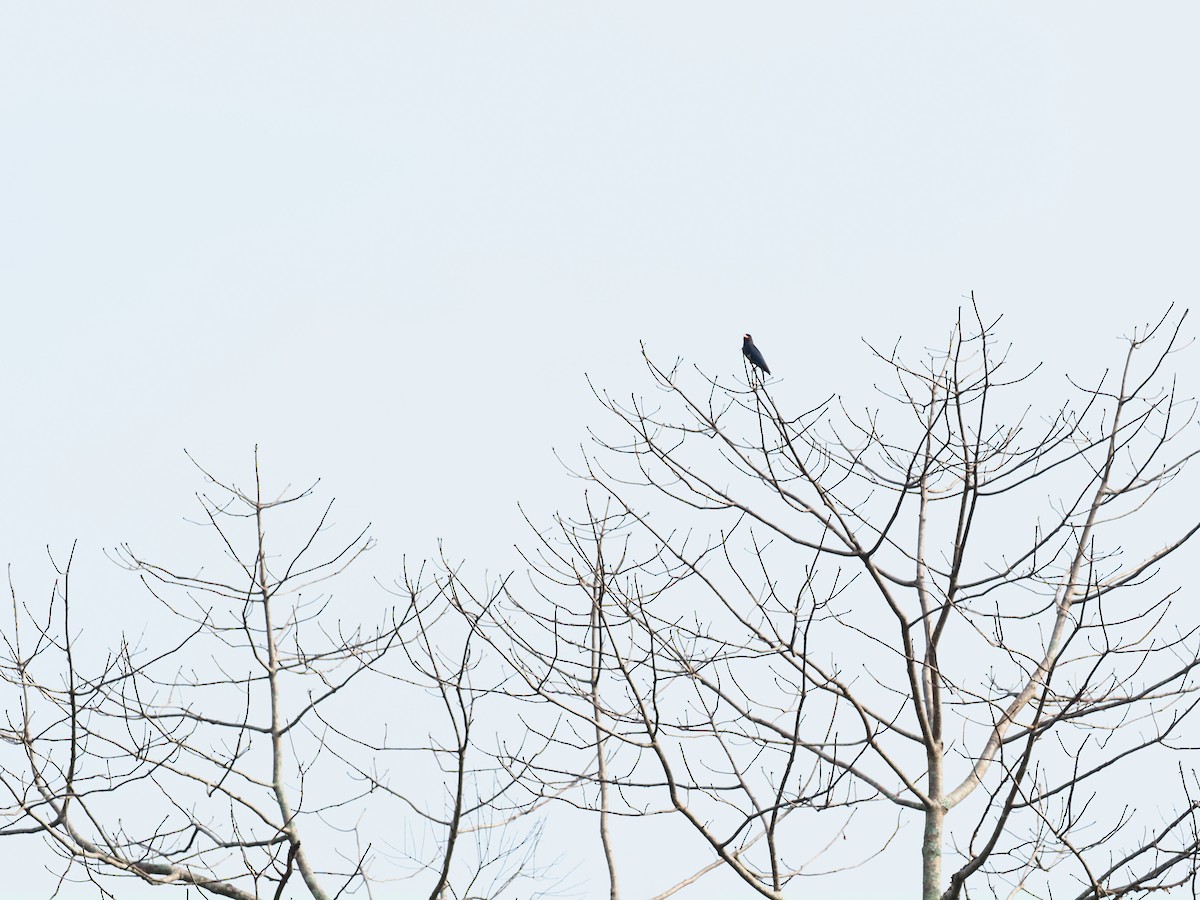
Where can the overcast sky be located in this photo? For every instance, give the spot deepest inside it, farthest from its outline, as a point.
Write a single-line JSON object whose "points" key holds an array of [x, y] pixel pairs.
{"points": [[386, 241]]}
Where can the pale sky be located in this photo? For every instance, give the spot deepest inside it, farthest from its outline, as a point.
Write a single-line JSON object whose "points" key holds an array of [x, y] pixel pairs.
{"points": [[386, 241]]}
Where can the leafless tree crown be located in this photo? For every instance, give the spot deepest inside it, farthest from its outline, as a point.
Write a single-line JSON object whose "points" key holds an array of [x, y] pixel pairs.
{"points": [[764, 621], [254, 744]]}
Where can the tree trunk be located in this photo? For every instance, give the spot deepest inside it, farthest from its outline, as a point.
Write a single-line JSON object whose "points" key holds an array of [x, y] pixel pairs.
{"points": [[931, 852], [935, 814]]}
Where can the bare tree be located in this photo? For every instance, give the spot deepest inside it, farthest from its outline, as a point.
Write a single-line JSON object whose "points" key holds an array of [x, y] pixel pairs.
{"points": [[951, 606], [245, 749]]}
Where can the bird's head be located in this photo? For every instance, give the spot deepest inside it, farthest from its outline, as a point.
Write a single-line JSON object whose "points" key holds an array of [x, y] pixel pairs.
{"points": [[746, 337]]}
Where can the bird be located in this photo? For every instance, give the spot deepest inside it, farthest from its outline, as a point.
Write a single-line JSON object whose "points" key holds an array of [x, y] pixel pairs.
{"points": [[753, 354]]}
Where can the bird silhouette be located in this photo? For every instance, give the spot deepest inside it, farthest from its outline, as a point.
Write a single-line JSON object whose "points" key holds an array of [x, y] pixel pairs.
{"points": [[753, 354]]}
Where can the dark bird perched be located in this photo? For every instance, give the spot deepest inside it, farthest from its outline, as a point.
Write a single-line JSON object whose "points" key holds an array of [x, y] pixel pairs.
{"points": [[752, 353]]}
